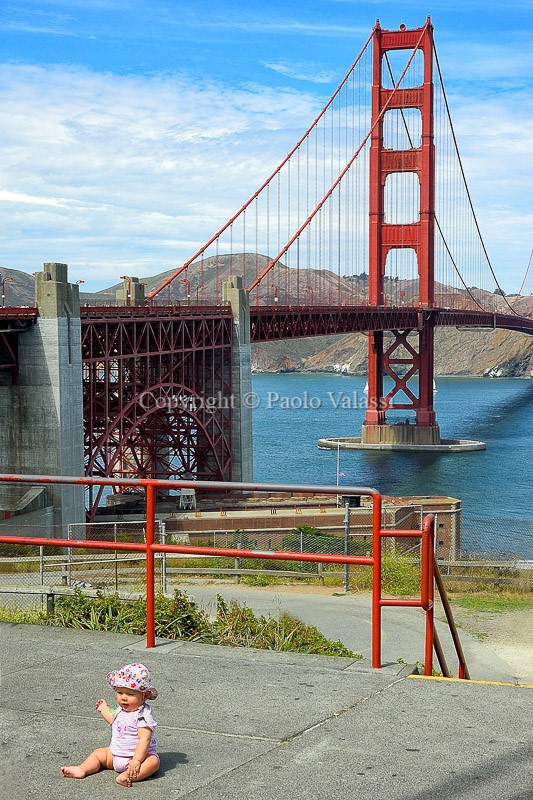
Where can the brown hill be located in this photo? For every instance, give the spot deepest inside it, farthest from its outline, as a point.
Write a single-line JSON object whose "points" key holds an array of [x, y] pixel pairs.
{"points": [[494, 353], [491, 353]]}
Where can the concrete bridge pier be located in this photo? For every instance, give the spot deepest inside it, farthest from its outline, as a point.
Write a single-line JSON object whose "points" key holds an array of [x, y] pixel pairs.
{"points": [[41, 428], [242, 446]]}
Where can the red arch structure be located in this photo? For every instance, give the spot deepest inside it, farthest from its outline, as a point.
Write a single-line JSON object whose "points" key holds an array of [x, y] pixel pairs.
{"points": [[157, 394]]}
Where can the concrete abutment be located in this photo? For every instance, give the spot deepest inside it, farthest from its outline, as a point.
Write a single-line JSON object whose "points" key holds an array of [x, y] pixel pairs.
{"points": [[42, 414], [242, 446]]}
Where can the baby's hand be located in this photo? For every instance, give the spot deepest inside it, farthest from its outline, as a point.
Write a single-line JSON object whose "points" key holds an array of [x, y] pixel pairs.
{"points": [[102, 706], [133, 768]]}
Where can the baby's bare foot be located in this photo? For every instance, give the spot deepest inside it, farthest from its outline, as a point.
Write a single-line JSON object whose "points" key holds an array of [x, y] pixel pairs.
{"points": [[73, 772], [123, 779]]}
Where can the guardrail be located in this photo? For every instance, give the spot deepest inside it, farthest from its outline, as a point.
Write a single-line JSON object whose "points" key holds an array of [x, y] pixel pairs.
{"points": [[149, 548]]}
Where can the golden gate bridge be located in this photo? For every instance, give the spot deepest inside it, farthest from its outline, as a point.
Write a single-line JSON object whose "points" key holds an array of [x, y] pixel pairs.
{"points": [[367, 224]]}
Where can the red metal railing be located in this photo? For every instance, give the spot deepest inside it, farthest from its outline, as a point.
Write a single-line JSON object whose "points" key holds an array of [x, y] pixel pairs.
{"points": [[429, 566], [426, 599]]}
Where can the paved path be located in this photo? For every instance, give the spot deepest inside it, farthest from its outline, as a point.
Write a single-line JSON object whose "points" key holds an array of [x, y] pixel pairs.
{"points": [[348, 618], [238, 723]]}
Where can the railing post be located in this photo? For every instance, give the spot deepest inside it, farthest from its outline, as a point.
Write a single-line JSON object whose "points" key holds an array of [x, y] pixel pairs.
{"points": [[163, 559], [150, 579], [427, 594], [376, 581]]}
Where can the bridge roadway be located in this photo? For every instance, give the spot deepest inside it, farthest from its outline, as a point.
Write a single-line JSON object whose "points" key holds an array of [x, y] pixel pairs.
{"points": [[270, 323], [259, 725], [273, 323]]}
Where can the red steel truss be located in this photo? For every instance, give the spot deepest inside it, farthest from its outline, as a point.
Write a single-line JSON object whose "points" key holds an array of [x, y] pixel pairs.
{"points": [[157, 393], [283, 322]]}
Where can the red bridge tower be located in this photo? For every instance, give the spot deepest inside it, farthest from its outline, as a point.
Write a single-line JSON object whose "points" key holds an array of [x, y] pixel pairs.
{"points": [[400, 357]]}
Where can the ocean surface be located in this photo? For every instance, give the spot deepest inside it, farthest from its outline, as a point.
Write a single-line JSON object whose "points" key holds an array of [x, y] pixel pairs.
{"points": [[292, 411]]}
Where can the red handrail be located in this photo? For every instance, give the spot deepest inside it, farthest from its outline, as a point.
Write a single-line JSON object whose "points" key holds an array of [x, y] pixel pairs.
{"points": [[430, 575], [150, 548]]}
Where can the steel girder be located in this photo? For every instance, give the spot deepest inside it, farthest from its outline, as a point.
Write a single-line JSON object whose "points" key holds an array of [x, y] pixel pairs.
{"points": [[157, 394], [272, 324], [9, 355], [286, 322]]}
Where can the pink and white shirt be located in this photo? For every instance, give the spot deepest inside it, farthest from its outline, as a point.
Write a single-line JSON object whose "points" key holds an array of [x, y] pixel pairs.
{"points": [[124, 735]]}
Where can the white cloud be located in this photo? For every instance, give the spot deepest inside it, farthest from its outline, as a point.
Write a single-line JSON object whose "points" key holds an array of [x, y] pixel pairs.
{"points": [[124, 174], [101, 171], [296, 27], [302, 71], [494, 134], [493, 64], [18, 197]]}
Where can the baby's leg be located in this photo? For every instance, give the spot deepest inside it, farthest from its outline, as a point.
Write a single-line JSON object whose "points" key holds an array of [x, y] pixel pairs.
{"points": [[147, 768], [99, 759]]}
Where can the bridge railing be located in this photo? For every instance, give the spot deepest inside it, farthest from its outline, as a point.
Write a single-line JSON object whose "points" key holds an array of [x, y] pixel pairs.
{"points": [[150, 547]]}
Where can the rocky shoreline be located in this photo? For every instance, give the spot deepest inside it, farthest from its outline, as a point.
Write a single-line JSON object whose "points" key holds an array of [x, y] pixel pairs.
{"points": [[458, 353]]}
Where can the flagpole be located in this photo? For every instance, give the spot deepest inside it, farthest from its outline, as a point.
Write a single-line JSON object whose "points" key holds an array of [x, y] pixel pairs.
{"points": [[338, 465]]}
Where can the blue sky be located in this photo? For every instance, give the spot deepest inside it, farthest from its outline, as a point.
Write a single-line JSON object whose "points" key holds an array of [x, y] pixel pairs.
{"points": [[132, 129]]}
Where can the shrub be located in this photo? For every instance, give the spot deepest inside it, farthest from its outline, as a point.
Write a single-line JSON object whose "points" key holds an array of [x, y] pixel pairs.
{"points": [[238, 626], [178, 617]]}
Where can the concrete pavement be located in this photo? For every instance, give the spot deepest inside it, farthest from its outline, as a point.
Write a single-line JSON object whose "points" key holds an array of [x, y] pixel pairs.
{"points": [[254, 724]]}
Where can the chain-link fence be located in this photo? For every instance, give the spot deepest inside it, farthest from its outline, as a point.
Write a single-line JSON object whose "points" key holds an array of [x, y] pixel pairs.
{"points": [[492, 536], [27, 573], [25, 580]]}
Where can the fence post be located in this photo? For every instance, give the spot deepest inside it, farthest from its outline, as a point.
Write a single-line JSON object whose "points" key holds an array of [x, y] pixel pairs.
{"points": [[164, 559], [116, 556], [346, 542], [150, 580], [427, 594]]}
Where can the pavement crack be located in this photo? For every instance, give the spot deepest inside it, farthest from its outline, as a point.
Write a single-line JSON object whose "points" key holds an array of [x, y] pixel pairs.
{"points": [[207, 732], [160, 727], [341, 711], [226, 772]]}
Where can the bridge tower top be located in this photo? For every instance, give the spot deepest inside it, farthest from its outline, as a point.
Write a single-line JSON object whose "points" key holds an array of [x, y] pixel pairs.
{"points": [[387, 162]]}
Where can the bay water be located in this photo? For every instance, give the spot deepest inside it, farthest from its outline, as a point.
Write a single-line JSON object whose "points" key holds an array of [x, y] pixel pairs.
{"points": [[292, 411]]}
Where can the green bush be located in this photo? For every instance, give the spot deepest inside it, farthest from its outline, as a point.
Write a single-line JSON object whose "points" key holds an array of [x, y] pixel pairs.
{"points": [[179, 618], [238, 626], [400, 575], [176, 617]]}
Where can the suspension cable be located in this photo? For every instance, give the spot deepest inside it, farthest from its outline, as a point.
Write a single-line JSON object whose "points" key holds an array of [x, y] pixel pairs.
{"points": [[502, 293], [527, 272], [346, 169], [278, 169]]}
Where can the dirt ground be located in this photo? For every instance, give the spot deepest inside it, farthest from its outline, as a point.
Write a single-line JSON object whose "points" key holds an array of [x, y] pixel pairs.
{"points": [[509, 634]]}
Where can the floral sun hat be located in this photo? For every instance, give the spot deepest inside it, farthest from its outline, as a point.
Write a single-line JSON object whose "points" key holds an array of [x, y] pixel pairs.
{"points": [[133, 676]]}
